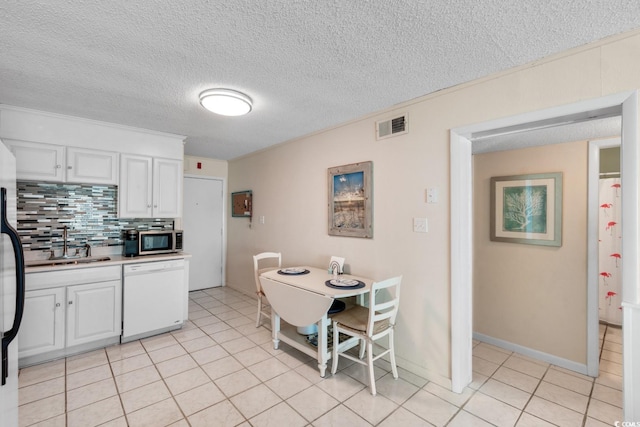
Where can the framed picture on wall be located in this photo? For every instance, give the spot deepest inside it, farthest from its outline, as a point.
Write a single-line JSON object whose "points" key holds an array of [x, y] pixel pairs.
{"points": [[350, 200], [527, 209], [241, 203]]}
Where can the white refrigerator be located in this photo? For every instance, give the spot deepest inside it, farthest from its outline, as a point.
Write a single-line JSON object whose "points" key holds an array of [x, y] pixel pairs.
{"points": [[11, 290]]}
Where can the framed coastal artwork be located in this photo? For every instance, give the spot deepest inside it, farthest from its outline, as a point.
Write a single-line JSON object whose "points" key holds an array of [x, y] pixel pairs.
{"points": [[527, 209], [350, 200]]}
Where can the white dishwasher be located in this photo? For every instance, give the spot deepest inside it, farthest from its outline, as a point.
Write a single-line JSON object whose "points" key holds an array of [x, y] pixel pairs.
{"points": [[153, 298]]}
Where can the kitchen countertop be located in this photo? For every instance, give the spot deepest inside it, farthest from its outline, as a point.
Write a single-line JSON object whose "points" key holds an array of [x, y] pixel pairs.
{"points": [[113, 260]]}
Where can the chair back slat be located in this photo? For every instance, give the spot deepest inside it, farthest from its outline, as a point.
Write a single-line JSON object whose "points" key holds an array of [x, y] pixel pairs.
{"points": [[385, 305], [263, 256], [383, 309]]}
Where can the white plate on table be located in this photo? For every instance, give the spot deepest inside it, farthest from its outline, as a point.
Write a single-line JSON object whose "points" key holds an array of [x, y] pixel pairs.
{"points": [[347, 283], [293, 270]]}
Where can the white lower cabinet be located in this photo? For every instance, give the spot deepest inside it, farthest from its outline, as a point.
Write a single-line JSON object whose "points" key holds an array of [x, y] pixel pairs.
{"points": [[68, 311], [42, 327], [93, 312]]}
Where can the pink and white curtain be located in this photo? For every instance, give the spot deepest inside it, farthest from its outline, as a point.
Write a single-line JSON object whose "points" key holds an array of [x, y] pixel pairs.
{"points": [[610, 251]]}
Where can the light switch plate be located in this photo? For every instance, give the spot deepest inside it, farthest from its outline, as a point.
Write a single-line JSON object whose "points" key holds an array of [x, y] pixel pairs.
{"points": [[432, 195], [420, 225]]}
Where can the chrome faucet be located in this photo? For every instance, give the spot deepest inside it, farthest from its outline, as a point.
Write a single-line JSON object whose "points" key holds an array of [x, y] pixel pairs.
{"points": [[64, 238], [64, 247]]}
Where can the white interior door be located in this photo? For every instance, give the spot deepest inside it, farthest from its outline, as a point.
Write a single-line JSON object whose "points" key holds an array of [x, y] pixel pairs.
{"points": [[202, 224]]}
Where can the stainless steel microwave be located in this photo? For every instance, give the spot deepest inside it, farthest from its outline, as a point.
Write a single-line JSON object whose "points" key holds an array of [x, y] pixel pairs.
{"points": [[159, 242]]}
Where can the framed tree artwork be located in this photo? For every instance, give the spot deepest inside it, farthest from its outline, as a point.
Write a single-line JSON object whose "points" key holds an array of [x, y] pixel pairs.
{"points": [[350, 200], [527, 209]]}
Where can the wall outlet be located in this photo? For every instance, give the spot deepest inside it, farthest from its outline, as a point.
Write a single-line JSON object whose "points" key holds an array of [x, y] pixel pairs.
{"points": [[420, 225]]}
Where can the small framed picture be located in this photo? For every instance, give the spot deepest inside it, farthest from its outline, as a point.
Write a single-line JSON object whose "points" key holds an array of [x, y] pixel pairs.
{"points": [[241, 204], [350, 200], [527, 209]]}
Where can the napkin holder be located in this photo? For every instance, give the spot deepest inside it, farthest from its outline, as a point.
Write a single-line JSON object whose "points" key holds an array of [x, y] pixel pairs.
{"points": [[336, 263]]}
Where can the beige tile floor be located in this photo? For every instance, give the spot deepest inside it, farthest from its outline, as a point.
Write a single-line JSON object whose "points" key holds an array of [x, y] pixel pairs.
{"points": [[219, 370]]}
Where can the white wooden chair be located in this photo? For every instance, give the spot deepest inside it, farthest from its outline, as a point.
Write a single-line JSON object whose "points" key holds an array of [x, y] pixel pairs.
{"points": [[258, 261], [367, 325]]}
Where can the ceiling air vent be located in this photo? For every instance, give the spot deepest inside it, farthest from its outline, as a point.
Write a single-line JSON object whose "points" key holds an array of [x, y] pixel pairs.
{"points": [[392, 127]]}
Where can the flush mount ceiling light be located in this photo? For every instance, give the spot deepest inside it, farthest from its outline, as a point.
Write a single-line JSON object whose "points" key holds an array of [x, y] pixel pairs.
{"points": [[226, 102]]}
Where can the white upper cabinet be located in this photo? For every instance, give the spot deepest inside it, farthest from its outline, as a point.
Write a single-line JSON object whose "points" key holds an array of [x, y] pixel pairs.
{"points": [[167, 188], [92, 166], [38, 162], [56, 163], [136, 186], [150, 187]]}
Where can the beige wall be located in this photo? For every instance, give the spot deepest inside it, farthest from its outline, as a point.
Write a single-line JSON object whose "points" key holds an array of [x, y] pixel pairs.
{"points": [[534, 296], [208, 167], [290, 180], [610, 160]]}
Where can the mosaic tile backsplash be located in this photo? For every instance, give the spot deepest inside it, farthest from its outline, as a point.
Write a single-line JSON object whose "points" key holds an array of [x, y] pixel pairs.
{"points": [[89, 211]]}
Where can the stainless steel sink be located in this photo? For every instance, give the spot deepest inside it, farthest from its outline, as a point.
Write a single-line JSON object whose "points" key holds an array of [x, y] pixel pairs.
{"points": [[92, 259], [66, 261]]}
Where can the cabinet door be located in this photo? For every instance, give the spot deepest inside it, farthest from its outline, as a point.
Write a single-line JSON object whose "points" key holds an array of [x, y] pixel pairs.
{"points": [[42, 327], [135, 190], [93, 312], [92, 166], [167, 188], [38, 162]]}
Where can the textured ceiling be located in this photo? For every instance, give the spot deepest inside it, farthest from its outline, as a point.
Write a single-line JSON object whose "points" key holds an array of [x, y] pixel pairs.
{"points": [[307, 64]]}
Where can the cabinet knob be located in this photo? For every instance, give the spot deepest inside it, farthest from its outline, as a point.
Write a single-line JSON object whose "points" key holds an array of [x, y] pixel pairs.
{"points": [[57, 304], [58, 166], [69, 167], [70, 302], [148, 206], [155, 206]]}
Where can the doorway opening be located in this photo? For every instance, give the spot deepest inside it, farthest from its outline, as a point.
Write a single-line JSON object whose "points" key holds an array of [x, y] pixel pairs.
{"points": [[462, 141]]}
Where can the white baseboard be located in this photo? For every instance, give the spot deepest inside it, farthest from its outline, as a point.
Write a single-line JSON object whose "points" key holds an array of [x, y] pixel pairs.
{"points": [[631, 350], [422, 372], [536, 354]]}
